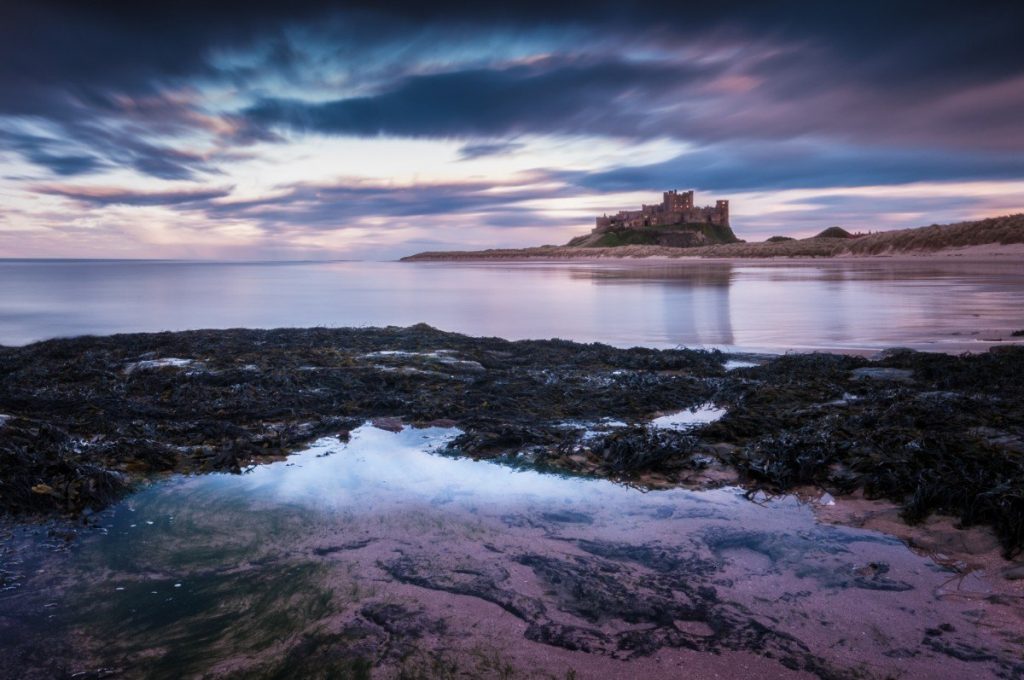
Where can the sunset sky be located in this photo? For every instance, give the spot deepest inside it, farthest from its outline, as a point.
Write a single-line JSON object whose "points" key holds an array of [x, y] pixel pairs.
{"points": [[317, 130]]}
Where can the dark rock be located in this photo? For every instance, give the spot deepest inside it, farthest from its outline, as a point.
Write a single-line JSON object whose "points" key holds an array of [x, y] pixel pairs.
{"points": [[933, 432], [876, 373]]}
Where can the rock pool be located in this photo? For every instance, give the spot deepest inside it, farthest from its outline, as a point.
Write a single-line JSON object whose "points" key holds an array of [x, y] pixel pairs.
{"points": [[379, 557]]}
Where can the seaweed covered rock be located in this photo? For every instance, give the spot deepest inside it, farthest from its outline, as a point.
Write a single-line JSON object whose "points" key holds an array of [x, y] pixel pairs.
{"points": [[84, 419], [932, 432]]}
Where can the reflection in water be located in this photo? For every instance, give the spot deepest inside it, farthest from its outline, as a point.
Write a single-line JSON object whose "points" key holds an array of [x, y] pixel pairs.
{"points": [[380, 554], [690, 418], [757, 306], [694, 298]]}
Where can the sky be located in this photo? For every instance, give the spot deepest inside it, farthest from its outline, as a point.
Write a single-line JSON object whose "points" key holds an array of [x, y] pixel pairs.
{"points": [[315, 130]]}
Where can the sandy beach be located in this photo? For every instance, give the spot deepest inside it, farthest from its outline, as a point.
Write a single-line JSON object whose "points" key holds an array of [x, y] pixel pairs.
{"points": [[980, 253]]}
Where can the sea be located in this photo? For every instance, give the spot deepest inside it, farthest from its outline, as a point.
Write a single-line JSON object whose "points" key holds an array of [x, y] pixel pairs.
{"points": [[380, 554], [859, 306]]}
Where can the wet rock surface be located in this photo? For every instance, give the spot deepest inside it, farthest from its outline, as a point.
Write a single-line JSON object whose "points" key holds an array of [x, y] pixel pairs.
{"points": [[382, 557], [663, 604], [85, 419]]}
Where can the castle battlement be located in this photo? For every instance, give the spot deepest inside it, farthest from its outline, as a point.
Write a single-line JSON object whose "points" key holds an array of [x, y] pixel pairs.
{"points": [[676, 207]]}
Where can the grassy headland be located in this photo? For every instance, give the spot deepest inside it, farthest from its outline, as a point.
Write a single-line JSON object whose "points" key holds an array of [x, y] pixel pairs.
{"points": [[994, 231], [673, 236]]}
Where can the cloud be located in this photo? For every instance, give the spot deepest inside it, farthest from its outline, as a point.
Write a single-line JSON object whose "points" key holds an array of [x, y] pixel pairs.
{"points": [[766, 97], [347, 204], [116, 196], [864, 71], [76, 147], [482, 149], [343, 204], [64, 165], [801, 164], [551, 95], [762, 92], [49, 153], [53, 53]]}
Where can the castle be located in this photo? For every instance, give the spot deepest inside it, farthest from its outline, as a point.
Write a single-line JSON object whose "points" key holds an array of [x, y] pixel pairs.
{"points": [[676, 207]]}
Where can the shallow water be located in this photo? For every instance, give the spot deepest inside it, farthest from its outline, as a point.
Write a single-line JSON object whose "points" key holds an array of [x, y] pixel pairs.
{"points": [[689, 418], [381, 553], [948, 305]]}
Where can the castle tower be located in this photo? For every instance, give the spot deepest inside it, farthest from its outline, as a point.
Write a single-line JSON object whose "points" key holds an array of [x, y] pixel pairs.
{"points": [[668, 199], [675, 201], [722, 211]]}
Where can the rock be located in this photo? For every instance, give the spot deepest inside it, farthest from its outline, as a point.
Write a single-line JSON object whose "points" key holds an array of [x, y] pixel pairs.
{"points": [[151, 364], [389, 424], [890, 352], [880, 373], [1014, 573], [947, 440]]}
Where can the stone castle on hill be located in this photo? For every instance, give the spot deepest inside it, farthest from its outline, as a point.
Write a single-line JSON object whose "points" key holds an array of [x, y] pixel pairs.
{"points": [[676, 207]]}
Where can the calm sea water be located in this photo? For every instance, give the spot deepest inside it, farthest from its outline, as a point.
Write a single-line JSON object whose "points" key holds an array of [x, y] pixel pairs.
{"points": [[947, 305]]}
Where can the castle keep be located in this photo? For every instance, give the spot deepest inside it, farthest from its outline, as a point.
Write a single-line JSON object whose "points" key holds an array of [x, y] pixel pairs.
{"points": [[676, 207]]}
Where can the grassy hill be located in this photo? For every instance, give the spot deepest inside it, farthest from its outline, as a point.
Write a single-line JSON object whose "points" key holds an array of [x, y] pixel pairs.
{"points": [[994, 230], [835, 232], [671, 236]]}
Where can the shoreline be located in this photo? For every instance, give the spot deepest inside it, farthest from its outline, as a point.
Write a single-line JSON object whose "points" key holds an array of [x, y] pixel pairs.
{"points": [[985, 237], [133, 406], [974, 254], [410, 489]]}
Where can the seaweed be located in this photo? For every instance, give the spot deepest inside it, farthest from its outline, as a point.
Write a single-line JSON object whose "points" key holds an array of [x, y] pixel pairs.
{"points": [[951, 442], [82, 420]]}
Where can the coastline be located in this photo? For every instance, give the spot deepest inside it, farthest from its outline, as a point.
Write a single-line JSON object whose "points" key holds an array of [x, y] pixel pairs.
{"points": [[441, 491], [980, 253], [205, 401], [989, 237]]}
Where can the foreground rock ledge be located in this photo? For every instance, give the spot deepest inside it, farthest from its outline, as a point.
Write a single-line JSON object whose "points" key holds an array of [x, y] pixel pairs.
{"points": [[83, 420]]}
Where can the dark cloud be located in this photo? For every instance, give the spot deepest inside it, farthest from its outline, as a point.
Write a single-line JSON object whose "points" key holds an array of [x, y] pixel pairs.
{"points": [[768, 96], [878, 39], [126, 149], [54, 55], [75, 147], [107, 146], [104, 197], [64, 165], [48, 153], [98, 75], [482, 149], [327, 207], [552, 95], [744, 167], [110, 77]]}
